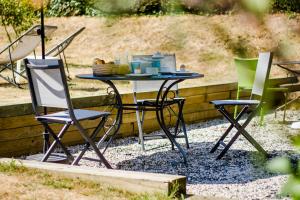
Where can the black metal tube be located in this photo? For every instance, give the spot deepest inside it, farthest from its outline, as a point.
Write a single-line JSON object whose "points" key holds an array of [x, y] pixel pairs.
{"points": [[119, 117], [42, 30]]}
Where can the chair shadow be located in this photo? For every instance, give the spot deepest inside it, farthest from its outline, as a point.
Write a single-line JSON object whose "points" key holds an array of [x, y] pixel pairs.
{"points": [[237, 166]]}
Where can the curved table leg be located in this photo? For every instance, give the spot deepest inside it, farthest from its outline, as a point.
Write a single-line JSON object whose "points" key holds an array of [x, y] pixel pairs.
{"points": [[113, 130], [160, 116]]}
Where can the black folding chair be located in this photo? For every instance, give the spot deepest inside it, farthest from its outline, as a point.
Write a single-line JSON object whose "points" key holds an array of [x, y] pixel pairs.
{"points": [[48, 89], [253, 106]]}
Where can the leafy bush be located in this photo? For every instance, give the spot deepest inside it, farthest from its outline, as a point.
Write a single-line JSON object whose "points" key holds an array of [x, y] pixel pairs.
{"points": [[286, 5], [148, 7], [59, 8], [18, 14], [208, 6]]}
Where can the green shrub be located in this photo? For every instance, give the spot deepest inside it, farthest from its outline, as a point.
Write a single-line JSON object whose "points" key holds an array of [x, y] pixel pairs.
{"points": [[148, 7], [59, 8], [208, 6], [286, 5], [17, 14]]}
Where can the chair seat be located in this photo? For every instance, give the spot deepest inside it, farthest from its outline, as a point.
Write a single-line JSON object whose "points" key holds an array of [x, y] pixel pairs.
{"points": [[291, 87], [64, 116], [234, 102]]}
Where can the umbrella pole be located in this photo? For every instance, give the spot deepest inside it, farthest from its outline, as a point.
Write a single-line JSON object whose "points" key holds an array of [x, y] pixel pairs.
{"points": [[45, 134], [42, 30]]}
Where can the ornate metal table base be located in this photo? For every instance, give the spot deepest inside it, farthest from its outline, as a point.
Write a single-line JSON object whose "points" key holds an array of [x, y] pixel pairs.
{"points": [[160, 104], [159, 108]]}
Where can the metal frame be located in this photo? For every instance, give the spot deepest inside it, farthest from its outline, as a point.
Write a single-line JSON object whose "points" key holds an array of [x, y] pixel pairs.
{"points": [[145, 105], [160, 103], [240, 129], [10, 66], [111, 133], [258, 91], [59, 49], [45, 122]]}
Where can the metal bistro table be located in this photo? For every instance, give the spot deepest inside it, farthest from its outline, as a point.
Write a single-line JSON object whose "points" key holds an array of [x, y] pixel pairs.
{"points": [[160, 101]]}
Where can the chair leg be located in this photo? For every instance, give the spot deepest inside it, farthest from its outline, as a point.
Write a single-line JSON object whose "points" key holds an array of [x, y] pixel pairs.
{"points": [[220, 141], [253, 142], [233, 139], [237, 98], [262, 114], [140, 129], [56, 141], [89, 140], [182, 123], [87, 145], [241, 130], [285, 105]]}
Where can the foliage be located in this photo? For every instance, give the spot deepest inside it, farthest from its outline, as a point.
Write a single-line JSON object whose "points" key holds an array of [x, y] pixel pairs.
{"points": [[18, 14], [12, 167], [289, 166], [153, 7], [59, 8], [149, 7], [286, 5]]}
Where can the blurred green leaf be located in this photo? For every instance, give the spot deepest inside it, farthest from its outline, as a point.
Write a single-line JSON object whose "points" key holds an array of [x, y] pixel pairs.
{"points": [[280, 165], [257, 6], [296, 141], [292, 187]]}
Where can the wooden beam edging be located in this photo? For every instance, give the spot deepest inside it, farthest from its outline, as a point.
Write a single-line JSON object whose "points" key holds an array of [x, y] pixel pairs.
{"points": [[132, 181], [100, 100]]}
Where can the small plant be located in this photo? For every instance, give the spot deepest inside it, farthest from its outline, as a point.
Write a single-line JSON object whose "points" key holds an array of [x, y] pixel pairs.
{"points": [[17, 14], [12, 167]]}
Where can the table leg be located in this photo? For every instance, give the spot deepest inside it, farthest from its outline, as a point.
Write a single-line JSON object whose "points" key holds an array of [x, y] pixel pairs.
{"points": [[114, 128], [160, 115]]}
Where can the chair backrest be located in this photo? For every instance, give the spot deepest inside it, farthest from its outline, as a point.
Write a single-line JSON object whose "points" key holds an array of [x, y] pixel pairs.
{"points": [[26, 43], [246, 68], [47, 83], [168, 61], [60, 47], [262, 74]]}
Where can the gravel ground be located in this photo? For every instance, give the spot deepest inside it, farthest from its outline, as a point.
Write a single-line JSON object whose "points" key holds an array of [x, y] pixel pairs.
{"points": [[241, 174]]}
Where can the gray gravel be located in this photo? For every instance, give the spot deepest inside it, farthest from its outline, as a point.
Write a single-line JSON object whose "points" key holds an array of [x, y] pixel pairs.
{"points": [[241, 174]]}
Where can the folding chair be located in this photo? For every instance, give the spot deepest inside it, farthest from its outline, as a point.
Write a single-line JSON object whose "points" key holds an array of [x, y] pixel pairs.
{"points": [[48, 89], [19, 49], [143, 105], [59, 49], [255, 103]]}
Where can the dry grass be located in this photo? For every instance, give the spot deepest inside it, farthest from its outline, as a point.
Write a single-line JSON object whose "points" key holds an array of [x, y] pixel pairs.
{"points": [[206, 44], [18, 182]]}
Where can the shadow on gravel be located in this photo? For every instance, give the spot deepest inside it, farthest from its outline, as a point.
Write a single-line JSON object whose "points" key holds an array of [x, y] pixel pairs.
{"points": [[237, 166]]}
